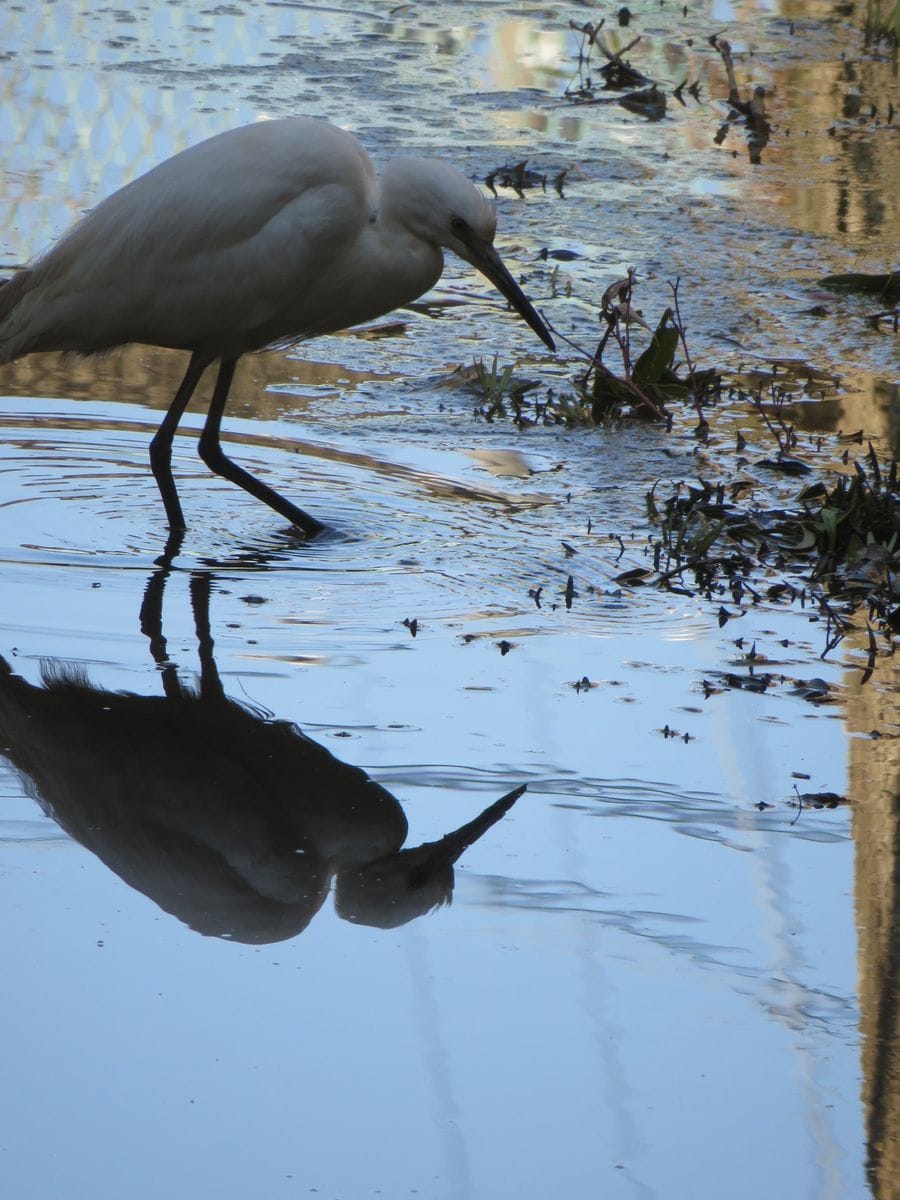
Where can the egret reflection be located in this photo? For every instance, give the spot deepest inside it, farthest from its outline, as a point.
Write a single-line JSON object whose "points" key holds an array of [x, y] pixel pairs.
{"points": [[237, 824]]}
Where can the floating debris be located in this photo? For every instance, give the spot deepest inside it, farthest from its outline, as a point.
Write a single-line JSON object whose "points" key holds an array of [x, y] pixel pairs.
{"points": [[519, 177], [616, 73], [583, 684], [752, 111], [559, 255], [649, 103]]}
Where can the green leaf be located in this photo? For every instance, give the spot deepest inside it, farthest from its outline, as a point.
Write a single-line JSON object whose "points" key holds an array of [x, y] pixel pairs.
{"points": [[654, 368]]}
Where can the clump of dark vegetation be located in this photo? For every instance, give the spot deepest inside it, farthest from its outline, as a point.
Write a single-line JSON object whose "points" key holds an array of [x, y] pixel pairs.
{"points": [[833, 548], [642, 95], [635, 385], [650, 381], [616, 382], [497, 388], [836, 550]]}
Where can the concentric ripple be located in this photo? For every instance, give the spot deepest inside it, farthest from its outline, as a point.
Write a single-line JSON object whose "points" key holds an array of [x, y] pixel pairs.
{"points": [[76, 491]]}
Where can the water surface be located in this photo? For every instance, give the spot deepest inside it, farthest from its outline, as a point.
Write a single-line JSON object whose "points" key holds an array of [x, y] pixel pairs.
{"points": [[657, 976]]}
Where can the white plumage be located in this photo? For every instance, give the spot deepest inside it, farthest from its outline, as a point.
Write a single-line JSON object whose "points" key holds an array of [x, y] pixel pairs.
{"points": [[267, 234]]}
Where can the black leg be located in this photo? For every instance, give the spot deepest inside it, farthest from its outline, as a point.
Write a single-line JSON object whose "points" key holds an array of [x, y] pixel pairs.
{"points": [[212, 454], [161, 445]]}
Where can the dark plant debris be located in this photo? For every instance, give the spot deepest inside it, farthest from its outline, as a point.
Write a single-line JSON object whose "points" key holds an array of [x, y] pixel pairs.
{"points": [[669, 733], [648, 102], [615, 73], [650, 381], [823, 799], [751, 111], [583, 684], [885, 288], [519, 177], [840, 541], [816, 800]]}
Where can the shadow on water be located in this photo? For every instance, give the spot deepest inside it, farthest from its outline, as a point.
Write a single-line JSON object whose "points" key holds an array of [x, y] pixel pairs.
{"points": [[232, 821]]}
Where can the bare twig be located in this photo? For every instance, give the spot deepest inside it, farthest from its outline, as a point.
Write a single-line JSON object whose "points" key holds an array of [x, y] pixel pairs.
{"points": [[682, 337], [724, 49]]}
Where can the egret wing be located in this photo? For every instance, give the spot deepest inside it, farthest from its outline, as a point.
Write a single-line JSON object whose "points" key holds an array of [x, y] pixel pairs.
{"points": [[204, 248]]}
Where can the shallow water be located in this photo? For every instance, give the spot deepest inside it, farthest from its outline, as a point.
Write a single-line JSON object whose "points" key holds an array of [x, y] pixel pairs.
{"points": [[658, 977]]}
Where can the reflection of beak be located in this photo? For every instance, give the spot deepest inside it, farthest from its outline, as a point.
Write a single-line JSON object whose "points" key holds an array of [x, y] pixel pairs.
{"points": [[433, 857], [401, 886], [484, 258]]}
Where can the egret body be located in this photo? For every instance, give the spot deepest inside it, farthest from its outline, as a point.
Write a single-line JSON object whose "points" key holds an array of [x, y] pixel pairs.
{"points": [[265, 235]]}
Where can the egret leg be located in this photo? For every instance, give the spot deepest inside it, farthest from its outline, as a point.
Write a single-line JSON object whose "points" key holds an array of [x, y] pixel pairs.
{"points": [[161, 445], [215, 458]]}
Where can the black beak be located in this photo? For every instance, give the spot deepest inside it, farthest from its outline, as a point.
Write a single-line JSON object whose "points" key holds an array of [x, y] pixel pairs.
{"points": [[484, 258]]}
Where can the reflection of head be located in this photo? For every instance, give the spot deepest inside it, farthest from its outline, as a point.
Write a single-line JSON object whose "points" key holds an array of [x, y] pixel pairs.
{"points": [[404, 885], [392, 892]]}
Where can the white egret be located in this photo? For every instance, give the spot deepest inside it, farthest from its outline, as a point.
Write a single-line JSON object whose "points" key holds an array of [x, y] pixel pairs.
{"points": [[264, 235]]}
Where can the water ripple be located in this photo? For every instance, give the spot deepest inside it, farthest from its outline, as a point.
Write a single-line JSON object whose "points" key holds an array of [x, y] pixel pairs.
{"points": [[76, 491]]}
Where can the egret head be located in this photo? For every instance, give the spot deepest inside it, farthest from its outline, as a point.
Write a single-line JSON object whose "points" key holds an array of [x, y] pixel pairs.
{"points": [[440, 205]]}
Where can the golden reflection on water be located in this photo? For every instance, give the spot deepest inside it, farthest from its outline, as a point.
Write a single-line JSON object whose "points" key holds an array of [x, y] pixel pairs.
{"points": [[832, 158], [873, 714], [149, 376], [519, 54], [865, 403], [837, 161]]}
